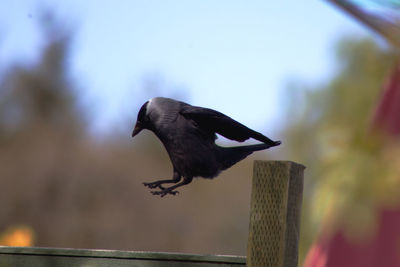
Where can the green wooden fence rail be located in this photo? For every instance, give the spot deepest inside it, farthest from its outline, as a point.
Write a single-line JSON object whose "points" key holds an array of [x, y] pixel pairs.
{"points": [[58, 257]]}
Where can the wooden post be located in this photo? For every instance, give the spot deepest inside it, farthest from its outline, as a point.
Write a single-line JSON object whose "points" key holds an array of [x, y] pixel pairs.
{"points": [[275, 214]]}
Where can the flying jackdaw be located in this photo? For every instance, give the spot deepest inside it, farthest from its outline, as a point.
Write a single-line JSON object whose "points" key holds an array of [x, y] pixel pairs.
{"points": [[188, 133]]}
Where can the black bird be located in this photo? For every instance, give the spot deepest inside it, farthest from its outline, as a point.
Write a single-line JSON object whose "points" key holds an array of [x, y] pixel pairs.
{"points": [[188, 133]]}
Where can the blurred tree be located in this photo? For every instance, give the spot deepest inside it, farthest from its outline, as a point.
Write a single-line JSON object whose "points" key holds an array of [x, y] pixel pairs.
{"points": [[348, 171], [40, 127], [41, 95]]}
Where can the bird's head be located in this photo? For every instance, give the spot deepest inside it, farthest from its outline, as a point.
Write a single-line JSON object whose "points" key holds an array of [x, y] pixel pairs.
{"points": [[142, 121]]}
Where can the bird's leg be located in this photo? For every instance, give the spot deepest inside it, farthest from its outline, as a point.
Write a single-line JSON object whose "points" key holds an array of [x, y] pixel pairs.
{"points": [[170, 190], [175, 178]]}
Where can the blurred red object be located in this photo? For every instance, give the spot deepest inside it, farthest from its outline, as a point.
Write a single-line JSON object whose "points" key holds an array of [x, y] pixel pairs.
{"points": [[387, 114], [383, 249]]}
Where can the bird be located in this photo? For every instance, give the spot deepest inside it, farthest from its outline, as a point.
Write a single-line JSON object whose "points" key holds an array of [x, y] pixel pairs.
{"points": [[188, 134]]}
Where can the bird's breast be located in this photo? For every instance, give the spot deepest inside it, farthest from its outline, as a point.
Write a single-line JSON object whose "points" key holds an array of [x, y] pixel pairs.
{"points": [[191, 155]]}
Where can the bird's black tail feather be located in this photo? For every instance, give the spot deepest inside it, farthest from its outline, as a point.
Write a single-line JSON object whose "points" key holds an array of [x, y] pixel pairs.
{"points": [[231, 155]]}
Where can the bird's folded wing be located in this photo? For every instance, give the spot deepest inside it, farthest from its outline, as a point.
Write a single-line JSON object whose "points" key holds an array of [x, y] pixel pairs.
{"points": [[212, 120]]}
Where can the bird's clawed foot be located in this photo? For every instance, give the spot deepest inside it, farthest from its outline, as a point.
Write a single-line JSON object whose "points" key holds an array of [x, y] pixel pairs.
{"points": [[164, 192], [154, 185], [167, 190]]}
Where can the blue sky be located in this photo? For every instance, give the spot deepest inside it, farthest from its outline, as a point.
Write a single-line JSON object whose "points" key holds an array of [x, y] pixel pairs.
{"points": [[233, 56]]}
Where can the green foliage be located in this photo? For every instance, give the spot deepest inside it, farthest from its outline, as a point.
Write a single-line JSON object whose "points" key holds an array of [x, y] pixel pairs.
{"points": [[349, 169]]}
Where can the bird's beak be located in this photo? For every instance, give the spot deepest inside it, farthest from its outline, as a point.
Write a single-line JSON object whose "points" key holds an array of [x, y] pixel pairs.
{"points": [[137, 129]]}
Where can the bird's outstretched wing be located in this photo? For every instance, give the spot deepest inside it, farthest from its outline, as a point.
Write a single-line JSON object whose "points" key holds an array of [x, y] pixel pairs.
{"points": [[214, 121]]}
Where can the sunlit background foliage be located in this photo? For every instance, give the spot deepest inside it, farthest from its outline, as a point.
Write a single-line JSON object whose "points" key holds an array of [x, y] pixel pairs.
{"points": [[352, 169]]}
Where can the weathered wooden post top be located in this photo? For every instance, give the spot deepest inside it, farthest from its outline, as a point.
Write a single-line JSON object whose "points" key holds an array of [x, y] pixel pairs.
{"points": [[275, 207], [273, 232]]}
